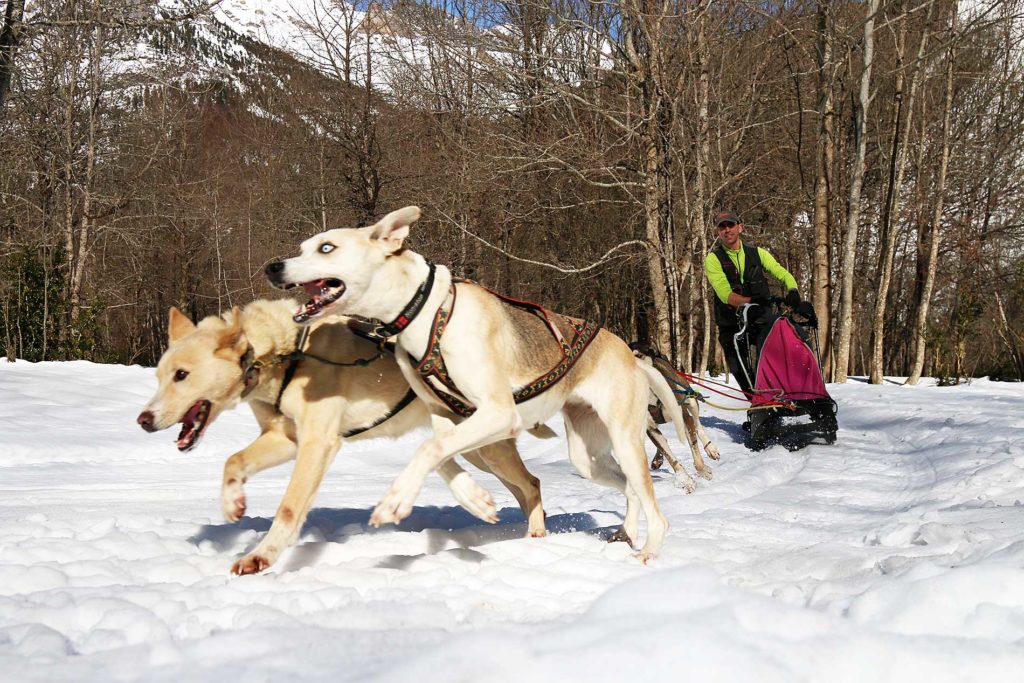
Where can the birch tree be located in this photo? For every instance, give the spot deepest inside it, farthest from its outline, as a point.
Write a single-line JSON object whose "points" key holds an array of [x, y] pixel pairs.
{"points": [[853, 211], [898, 161], [824, 162], [935, 227]]}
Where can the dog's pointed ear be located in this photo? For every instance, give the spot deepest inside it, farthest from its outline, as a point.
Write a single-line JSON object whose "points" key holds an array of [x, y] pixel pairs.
{"points": [[231, 338], [394, 228], [178, 325]]}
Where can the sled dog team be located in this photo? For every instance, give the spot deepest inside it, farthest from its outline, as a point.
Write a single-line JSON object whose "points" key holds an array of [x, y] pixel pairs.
{"points": [[477, 367]]}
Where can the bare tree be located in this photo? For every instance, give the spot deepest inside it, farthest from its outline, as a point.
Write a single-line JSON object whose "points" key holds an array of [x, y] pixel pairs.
{"points": [[853, 211], [824, 162], [14, 12], [902, 123], [935, 228]]}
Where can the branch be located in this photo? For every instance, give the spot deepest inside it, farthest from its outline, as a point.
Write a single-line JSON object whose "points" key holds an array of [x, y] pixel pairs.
{"points": [[606, 257]]}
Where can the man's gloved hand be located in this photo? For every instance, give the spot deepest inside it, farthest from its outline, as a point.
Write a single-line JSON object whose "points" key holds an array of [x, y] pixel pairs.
{"points": [[806, 309], [792, 299]]}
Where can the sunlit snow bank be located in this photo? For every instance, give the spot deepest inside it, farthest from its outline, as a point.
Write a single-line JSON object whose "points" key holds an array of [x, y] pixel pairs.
{"points": [[896, 554]]}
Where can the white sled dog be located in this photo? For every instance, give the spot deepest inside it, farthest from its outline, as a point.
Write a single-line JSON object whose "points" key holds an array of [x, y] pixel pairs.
{"points": [[306, 404], [488, 366]]}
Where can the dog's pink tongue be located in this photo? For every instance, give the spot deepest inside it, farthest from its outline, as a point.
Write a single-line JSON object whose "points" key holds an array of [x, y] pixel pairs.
{"points": [[188, 425], [315, 287]]}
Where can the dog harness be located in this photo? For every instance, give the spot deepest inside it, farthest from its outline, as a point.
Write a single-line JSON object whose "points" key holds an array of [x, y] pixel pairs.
{"points": [[432, 366], [251, 368]]}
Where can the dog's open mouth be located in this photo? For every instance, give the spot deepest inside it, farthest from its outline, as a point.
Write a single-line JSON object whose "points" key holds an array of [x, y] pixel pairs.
{"points": [[323, 293], [193, 424]]}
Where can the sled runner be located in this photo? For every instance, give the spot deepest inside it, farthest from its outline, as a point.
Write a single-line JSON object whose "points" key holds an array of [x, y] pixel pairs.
{"points": [[789, 402]]}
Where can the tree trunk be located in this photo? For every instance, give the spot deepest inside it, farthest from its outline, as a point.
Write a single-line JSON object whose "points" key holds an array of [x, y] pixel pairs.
{"points": [[78, 263], [891, 208], [853, 209], [821, 294], [68, 179], [1011, 339], [9, 34], [703, 169], [934, 233], [643, 33], [660, 259]]}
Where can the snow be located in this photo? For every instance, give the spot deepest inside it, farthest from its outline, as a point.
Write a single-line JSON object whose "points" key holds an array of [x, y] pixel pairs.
{"points": [[895, 555], [318, 33]]}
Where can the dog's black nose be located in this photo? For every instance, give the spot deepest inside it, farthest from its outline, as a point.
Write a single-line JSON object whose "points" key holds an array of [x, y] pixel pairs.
{"points": [[145, 421], [275, 274]]}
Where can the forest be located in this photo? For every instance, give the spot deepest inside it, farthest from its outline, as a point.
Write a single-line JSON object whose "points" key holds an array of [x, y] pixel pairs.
{"points": [[569, 152]]}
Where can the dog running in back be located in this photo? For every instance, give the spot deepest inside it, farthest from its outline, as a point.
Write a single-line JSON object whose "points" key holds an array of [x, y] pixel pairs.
{"points": [[656, 414], [459, 344]]}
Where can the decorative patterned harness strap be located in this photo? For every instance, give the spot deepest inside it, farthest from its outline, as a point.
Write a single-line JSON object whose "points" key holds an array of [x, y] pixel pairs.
{"points": [[432, 365]]}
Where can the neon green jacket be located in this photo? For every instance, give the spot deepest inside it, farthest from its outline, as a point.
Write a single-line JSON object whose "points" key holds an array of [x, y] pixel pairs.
{"points": [[720, 283]]}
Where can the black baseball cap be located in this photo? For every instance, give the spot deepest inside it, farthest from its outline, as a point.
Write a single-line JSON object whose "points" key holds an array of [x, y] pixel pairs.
{"points": [[726, 217]]}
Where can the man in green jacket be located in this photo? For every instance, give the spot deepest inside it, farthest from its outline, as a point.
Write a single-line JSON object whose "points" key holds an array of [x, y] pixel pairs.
{"points": [[737, 272]]}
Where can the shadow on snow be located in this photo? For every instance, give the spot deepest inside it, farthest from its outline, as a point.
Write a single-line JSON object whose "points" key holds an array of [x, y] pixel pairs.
{"points": [[443, 527]]}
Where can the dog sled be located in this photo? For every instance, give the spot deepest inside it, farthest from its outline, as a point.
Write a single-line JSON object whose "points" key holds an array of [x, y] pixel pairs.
{"points": [[782, 360]]}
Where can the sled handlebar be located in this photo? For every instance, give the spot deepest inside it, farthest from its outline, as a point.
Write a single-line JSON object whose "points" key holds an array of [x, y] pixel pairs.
{"points": [[808, 314]]}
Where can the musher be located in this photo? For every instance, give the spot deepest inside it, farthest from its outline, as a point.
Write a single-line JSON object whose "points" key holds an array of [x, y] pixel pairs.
{"points": [[737, 273]]}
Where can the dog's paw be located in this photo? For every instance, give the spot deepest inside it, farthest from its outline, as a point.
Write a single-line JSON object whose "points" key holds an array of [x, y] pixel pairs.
{"points": [[537, 533], [705, 472], [391, 509], [250, 564], [684, 481], [232, 499], [474, 498], [397, 503], [644, 557], [620, 536], [712, 451], [233, 506]]}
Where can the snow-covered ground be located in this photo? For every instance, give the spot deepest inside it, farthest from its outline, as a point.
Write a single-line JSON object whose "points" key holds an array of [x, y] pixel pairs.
{"points": [[895, 555]]}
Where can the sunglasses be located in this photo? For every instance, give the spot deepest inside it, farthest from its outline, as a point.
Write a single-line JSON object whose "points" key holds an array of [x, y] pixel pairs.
{"points": [[726, 225]]}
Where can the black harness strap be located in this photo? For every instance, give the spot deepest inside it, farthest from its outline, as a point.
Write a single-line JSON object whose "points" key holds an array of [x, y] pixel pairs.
{"points": [[293, 365], [289, 373], [406, 400], [252, 367], [251, 372], [411, 310], [368, 331]]}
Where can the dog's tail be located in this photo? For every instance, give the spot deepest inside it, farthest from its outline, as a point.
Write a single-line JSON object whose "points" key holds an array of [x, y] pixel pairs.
{"points": [[659, 385]]}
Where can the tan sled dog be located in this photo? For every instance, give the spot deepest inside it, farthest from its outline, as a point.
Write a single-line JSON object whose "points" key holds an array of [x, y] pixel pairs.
{"points": [[489, 351], [244, 356]]}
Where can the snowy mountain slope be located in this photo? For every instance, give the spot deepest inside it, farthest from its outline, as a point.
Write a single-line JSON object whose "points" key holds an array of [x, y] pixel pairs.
{"points": [[896, 554]]}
